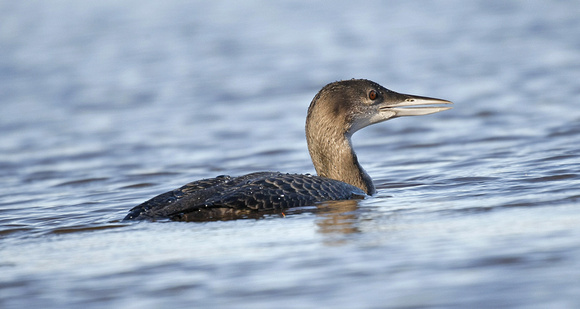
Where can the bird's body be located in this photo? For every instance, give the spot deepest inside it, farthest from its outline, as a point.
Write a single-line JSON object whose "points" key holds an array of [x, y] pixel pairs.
{"points": [[336, 112], [225, 196]]}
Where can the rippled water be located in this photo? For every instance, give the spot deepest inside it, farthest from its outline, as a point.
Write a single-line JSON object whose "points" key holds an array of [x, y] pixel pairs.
{"points": [[106, 104]]}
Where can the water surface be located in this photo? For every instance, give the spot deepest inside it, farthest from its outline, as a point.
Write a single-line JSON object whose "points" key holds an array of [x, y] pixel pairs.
{"points": [[104, 105]]}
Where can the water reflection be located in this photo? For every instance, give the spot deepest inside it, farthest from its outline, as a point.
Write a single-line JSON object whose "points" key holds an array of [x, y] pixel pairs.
{"points": [[338, 217], [337, 221]]}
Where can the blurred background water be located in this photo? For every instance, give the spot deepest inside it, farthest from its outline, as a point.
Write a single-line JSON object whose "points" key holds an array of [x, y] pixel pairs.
{"points": [[104, 104]]}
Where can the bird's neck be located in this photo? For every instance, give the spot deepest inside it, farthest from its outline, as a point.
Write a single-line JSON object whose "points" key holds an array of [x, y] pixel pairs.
{"points": [[333, 156]]}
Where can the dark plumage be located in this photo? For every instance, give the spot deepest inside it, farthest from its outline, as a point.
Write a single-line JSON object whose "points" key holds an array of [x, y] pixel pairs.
{"points": [[231, 196], [336, 112]]}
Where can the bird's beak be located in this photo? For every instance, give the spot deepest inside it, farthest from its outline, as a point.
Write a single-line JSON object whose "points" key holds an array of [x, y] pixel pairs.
{"points": [[412, 105], [399, 105]]}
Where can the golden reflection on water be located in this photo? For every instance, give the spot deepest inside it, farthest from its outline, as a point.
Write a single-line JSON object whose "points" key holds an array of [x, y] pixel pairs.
{"points": [[337, 219]]}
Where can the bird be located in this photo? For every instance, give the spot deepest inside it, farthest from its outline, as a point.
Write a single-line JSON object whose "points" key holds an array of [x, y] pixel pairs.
{"points": [[337, 111]]}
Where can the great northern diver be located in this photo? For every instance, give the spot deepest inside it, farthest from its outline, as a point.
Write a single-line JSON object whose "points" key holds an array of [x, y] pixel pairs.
{"points": [[336, 112]]}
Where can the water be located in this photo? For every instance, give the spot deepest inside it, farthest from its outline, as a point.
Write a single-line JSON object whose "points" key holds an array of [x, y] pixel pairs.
{"points": [[106, 104]]}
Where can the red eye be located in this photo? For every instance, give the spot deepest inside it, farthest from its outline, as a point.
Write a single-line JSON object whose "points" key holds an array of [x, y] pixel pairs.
{"points": [[372, 95]]}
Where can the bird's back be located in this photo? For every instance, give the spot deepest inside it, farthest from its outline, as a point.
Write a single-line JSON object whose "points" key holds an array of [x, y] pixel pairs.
{"points": [[226, 197]]}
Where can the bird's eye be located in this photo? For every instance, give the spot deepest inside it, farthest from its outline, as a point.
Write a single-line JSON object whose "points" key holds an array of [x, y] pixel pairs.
{"points": [[372, 95]]}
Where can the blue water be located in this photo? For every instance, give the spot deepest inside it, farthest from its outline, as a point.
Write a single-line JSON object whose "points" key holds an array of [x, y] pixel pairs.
{"points": [[104, 104]]}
